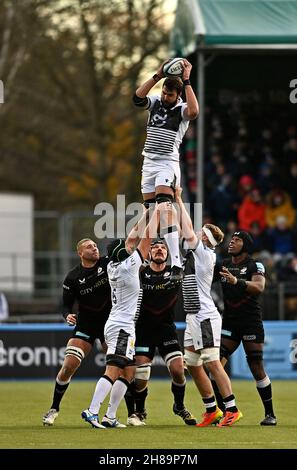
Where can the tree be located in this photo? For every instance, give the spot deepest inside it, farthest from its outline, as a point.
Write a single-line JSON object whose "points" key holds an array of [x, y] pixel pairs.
{"points": [[70, 123]]}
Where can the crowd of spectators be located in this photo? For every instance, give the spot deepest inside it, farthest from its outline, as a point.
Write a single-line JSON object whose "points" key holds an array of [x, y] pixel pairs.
{"points": [[250, 183]]}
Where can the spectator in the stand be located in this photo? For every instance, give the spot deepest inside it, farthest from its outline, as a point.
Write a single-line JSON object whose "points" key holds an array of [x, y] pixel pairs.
{"points": [[222, 201], [242, 156], [290, 183], [282, 238], [279, 204], [4, 309], [261, 241], [252, 210], [265, 178], [289, 271], [290, 150], [289, 274], [246, 184], [214, 161]]}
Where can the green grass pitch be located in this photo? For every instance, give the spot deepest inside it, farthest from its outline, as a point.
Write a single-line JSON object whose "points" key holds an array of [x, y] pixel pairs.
{"points": [[23, 404]]}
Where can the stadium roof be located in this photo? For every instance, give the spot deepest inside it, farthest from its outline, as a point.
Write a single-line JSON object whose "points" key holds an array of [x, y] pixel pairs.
{"points": [[243, 23]]}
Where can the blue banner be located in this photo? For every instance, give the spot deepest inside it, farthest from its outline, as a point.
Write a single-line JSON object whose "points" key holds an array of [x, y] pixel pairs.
{"points": [[280, 352]]}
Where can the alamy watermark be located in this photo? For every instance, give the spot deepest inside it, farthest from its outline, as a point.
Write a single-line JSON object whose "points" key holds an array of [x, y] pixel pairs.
{"points": [[1, 92], [117, 221], [293, 94]]}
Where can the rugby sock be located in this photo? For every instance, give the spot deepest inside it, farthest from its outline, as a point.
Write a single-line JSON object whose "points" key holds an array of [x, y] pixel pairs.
{"points": [[130, 398], [265, 392], [118, 391], [60, 389], [218, 396], [102, 389], [172, 240], [210, 404], [140, 397], [229, 403], [178, 391]]}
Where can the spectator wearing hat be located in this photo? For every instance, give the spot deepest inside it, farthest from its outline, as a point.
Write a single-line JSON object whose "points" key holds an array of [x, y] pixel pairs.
{"points": [[279, 204]]}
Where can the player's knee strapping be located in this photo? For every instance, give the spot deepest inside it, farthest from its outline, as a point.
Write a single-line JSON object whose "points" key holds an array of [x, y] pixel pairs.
{"points": [[171, 356], [192, 358], [224, 352], [74, 351], [143, 372], [254, 356], [210, 355], [162, 197]]}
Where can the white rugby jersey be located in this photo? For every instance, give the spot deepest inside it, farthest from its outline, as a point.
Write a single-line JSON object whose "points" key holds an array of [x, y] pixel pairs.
{"points": [[205, 259], [165, 130], [125, 286]]}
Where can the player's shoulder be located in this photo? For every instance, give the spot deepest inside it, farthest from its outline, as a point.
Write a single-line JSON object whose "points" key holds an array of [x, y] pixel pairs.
{"points": [[153, 101], [103, 262], [255, 266], [74, 272]]}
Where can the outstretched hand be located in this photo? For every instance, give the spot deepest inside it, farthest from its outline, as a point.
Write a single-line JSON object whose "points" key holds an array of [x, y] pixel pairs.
{"points": [[229, 278], [71, 319], [160, 69], [187, 69]]}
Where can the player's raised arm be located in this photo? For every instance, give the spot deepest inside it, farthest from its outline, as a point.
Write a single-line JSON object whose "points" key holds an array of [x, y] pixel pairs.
{"points": [[140, 98], [192, 110], [186, 225]]}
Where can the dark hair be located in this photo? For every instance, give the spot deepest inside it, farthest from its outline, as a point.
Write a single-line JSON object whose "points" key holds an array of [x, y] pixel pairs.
{"points": [[174, 83]]}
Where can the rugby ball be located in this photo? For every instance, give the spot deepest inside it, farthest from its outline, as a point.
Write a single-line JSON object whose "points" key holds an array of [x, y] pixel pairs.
{"points": [[174, 68]]}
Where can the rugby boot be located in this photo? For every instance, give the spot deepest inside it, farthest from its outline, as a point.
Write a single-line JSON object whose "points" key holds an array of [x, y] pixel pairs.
{"points": [[134, 420], [111, 423], [269, 420], [92, 419], [210, 418], [230, 418], [188, 418], [49, 418]]}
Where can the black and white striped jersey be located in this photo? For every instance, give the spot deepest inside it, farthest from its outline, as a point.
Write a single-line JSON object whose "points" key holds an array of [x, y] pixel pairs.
{"points": [[191, 299], [165, 130]]}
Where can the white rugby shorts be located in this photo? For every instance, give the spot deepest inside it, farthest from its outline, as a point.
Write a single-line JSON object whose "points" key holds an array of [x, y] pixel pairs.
{"points": [[202, 334], [120, 339], [159, 173]]}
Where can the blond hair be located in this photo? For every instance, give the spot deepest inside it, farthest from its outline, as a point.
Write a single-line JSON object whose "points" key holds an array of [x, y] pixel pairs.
{"points": [[81, 242], [216, 232]]}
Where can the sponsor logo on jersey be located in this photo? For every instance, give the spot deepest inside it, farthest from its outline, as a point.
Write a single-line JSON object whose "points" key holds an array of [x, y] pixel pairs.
{"points": [[243, 270], [249, 337], [172, 341], [260, 268]]}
